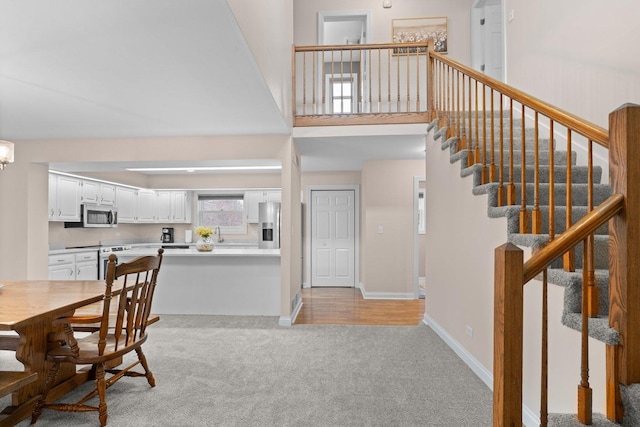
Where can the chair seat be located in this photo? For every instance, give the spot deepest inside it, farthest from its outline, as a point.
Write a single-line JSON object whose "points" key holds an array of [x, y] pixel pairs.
{"points": [[88, 353]]}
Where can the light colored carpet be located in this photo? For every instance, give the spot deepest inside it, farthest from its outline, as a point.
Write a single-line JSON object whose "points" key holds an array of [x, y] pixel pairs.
{"points": [[247, 371]]}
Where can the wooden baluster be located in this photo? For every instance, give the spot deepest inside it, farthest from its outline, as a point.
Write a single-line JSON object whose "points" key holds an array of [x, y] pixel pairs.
{"points": [[408, 81], [417, 80], [304, 84], [552, 184], [314, 84], [398, 78], [389, 84], [431, 79], [501, 197], [484, 134], [324, 88], [370, 84], [341, 83], [584, 390], [592, 289], [380, 81], [454, 103], [568, 259], [353, 107], [511, 188], [507, 336], [470, 144], [463, 121], [477, 144], [492, 162], [524, 215], [544, 356], [536, 215]]}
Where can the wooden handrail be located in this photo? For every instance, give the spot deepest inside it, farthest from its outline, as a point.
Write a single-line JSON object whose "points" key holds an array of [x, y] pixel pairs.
{"points": [[321, 48], [574, 235], [587, 129]]}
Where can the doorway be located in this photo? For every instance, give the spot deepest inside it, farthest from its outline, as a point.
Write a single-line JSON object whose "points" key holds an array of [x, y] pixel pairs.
{"points": [[487, 38], [333, 243], [344, 28], [419, 237]]}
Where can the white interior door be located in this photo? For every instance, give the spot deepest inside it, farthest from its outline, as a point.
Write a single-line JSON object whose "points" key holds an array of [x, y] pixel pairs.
{"points": [[333, 238], [493, 45]]}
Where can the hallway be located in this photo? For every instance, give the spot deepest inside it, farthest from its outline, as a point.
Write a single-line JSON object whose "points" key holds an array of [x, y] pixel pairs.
{"points": [[346, 306]]}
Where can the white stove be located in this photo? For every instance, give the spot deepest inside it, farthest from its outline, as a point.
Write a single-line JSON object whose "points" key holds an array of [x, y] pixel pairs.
{"points": [[105, 251]]}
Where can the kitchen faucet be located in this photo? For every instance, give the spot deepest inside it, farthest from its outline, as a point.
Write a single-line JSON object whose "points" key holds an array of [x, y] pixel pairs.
{"points": [[217, 231]]}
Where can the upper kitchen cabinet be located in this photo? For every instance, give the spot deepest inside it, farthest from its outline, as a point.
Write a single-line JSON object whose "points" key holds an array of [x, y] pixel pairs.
{"points": [[147, 206], [100, 193], [174, 206], [252, 198], [126, 202], [64, 198]]}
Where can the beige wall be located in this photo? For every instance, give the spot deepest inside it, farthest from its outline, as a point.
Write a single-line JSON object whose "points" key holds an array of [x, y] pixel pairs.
{"points": [[457, 12], [267, 27], [581, 56], [386, 267], [291, 233]]}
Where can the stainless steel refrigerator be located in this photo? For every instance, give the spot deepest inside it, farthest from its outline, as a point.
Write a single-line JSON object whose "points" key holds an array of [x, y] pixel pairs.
{"points": [[269, 225]]}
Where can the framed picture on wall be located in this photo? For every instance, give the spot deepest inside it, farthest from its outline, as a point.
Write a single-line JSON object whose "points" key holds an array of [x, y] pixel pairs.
{"points": [[412, 30]]}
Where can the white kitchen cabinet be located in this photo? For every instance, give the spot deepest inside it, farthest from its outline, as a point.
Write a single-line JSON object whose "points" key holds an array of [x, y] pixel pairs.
{"points": [[253, 198], [107, 194], [64, 198], [78, 266], [99, 193], [180, 207], [86, 265], [90, 191], [147, 201], [62, 267], [163, 207], [126, 199], [173, 206]]}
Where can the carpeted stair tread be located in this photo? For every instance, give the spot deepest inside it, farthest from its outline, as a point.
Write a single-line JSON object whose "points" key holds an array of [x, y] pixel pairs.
{"points": [[598, 327], [538, 241], [579, 193], [512, 213], [570, 420], [631, 402]]}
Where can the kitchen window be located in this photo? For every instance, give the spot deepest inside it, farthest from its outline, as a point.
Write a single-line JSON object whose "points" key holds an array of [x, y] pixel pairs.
{"points": [[224, 211]]}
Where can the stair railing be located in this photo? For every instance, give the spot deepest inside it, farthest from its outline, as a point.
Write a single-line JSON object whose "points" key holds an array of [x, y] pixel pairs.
{"points": [[360, 84], [467, 103]]}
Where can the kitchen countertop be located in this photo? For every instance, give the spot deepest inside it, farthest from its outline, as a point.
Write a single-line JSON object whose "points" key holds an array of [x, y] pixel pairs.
{"points": [[74, 250], [225, 251]]}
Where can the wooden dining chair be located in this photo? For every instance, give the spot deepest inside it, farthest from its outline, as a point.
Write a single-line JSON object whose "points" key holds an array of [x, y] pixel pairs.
{"points": [[121, 331]]}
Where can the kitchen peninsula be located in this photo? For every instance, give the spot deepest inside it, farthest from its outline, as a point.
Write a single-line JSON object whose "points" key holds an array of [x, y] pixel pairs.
{"points": [[228, 281]]}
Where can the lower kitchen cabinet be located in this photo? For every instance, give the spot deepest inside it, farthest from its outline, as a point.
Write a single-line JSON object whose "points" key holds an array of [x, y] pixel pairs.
{"points": [[74, 266]]}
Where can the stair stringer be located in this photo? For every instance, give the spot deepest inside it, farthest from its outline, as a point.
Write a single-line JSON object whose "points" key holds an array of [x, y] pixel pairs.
{"points": [[564, 343]]}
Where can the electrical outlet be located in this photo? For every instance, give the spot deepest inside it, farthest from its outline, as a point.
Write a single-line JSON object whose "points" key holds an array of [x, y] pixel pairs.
{"points": [[512, 15], [469, 330], [380, 229]]}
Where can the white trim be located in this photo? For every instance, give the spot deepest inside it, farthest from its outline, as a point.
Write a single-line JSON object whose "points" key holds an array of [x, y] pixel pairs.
{"points": [[355, 14], [385, 295], [356, 202], [289, 321], [528, 417], [416, 235]]}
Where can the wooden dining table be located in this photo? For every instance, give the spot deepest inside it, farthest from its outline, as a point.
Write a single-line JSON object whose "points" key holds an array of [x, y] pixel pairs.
{"points": [[28, 307]]}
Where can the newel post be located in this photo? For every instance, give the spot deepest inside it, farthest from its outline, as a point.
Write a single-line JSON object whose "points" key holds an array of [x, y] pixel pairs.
{"points": [[507, 336], [623, 361]]}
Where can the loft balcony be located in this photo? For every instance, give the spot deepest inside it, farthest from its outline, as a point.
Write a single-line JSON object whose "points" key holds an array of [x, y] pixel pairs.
{"points": [[360, 84]]}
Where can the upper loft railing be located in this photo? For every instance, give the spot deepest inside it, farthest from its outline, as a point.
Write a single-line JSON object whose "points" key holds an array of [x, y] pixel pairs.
{"points": [[510, 140], [360, 84]]}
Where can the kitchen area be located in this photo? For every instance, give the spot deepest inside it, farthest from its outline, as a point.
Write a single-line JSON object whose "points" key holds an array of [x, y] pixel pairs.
{"points": [[90, 219]]}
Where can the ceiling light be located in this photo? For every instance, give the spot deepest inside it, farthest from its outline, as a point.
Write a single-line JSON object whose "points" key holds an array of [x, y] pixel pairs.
{"points": [[6, 153], [206, 168]]}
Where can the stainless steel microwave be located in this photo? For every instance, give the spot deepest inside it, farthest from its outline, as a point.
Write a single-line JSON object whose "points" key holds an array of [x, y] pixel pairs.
{"points": [[95, 216]]}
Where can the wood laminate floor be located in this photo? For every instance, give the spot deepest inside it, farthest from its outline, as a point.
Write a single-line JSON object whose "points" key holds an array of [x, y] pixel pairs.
{"points": [[346, 306]]}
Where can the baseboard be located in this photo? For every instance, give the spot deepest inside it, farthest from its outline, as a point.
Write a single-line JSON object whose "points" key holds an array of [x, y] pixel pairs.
{"points": [[528, 417], [385, 295], [289, 321]]}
